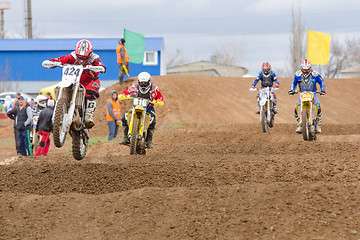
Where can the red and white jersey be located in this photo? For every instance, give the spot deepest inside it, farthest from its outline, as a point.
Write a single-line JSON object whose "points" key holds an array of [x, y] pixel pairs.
{"points": [[87, 76], [153, 94]]}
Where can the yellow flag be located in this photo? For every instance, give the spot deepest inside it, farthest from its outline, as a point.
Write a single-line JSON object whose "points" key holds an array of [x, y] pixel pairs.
{"points": [[318, 47]]}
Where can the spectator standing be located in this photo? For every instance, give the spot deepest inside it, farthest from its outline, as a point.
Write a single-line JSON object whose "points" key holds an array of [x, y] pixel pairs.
{"points": [[113, 115], [23, 124], [33, 105], [48, 96], [123, 60], [12, 113], [44, 128]]}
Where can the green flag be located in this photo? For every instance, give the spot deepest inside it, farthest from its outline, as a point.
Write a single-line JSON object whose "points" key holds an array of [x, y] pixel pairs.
{"points": [[135, 45]]}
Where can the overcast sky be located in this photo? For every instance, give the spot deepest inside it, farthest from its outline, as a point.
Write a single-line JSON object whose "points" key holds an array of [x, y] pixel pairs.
{"points": [[259, 28]]}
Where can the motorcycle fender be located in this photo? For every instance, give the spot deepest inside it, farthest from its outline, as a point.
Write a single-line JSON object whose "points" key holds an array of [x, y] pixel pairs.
{"points": [[262, 102], [65, 83]]}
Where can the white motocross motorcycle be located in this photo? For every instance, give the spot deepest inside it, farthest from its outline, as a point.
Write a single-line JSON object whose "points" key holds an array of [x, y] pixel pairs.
{"points": [[265, 102], [69, 113]]}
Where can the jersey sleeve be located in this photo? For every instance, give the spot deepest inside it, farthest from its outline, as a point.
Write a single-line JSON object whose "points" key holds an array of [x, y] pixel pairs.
{"points": [[256, 80], [294, 82], [130, 90], [64, 59], [159, 95], [98, 62], [321, 82], [276, 80]]}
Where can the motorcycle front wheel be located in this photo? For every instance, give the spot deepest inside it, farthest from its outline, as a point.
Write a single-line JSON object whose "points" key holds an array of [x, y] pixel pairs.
{"points": [[307, 132], [58, 134], [264, 124], [134, 137]]}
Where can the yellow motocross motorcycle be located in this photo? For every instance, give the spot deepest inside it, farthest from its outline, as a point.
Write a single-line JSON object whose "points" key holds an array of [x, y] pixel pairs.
{"points": [[138, 121], [308, 111]]}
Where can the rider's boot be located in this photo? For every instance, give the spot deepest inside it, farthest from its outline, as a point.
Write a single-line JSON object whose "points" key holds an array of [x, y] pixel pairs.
{"points": [[89, 113], [149, 137], [258, 111], [318, 124], [125, 140], [299, 128], [275, 107]]}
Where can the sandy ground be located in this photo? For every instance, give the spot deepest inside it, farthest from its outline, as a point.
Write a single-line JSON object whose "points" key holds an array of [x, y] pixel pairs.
{"points": [[212, 175]]}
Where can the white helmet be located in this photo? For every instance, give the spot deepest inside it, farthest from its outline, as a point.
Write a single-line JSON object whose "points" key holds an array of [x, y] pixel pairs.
{"points": [[40, 98], [144, 82]]}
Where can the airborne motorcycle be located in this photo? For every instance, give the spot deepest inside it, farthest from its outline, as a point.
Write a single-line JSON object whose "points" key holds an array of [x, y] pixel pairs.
{"points": [[138, 121], [265, 102], [69, 113], [309, 111]]}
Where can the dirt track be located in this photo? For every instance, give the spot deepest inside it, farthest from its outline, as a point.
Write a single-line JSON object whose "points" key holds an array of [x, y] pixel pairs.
{"points": [[212, 174]]}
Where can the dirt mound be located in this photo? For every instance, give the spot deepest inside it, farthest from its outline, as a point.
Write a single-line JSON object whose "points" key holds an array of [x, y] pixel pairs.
{"points": [[223, 100], [212, 175]]}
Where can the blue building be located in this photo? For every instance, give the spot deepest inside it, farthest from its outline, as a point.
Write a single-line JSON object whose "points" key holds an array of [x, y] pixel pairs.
{"points": [[20, 60]]}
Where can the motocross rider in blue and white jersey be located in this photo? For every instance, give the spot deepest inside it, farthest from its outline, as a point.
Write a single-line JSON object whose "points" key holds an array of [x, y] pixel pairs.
{"points": [[267, 78], [306, 79]]}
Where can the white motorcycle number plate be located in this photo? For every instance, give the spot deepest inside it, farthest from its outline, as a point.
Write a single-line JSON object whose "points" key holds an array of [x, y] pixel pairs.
{"points": [[72, 72], [142, 102], [263, 93]]}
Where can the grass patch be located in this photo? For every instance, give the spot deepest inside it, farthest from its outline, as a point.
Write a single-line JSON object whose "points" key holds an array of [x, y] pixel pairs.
{"points": [[96, 140], [7, 140], [68, 153]]}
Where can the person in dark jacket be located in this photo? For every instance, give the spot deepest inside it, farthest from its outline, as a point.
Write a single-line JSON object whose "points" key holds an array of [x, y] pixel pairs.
{"points": [[23, 124], [12, 113], [44, 128]]}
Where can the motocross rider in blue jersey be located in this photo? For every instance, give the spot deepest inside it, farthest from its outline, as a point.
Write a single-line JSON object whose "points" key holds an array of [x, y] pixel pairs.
{"points": [[267, 78], [306, 79]]}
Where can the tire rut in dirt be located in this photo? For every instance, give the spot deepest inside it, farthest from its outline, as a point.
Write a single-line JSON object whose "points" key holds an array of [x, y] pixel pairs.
{"points": [[58, 117]]}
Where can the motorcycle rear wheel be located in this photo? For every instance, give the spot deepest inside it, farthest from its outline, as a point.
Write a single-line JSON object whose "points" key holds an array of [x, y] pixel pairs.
{"points": [[134, 137], [61, 109], [79, 145]]}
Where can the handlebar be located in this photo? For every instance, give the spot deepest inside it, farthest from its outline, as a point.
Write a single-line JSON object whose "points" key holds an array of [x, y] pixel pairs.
{"points": [[50, 64], [157, 103], [256, 89], [296, 92]]}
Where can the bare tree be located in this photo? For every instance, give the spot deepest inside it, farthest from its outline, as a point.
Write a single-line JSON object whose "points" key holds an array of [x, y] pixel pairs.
{"points": [[5, 79], [175, 59], [297, 41], [229, 53], [341, 56]]}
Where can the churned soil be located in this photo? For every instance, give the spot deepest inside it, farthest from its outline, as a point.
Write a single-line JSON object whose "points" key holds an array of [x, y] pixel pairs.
{"points": [[213, 174]]}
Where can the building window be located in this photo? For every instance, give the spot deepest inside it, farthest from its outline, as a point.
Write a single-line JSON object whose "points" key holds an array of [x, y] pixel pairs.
{"points": [[150, 58]]}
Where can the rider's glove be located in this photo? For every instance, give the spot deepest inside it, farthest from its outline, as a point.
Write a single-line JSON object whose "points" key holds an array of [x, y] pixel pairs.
{"points": [[276, 85], [159, 102], [123, 97], [291, 92], [322, 93]]}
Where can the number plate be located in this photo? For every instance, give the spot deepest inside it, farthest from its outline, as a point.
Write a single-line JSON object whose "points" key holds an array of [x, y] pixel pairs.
{"points": [[306, 96], [140, 101], [72, 72]]}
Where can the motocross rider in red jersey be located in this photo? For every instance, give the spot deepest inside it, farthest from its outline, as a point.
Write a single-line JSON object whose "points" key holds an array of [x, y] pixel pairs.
{"points": [[144, 88], [83, 55]]}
